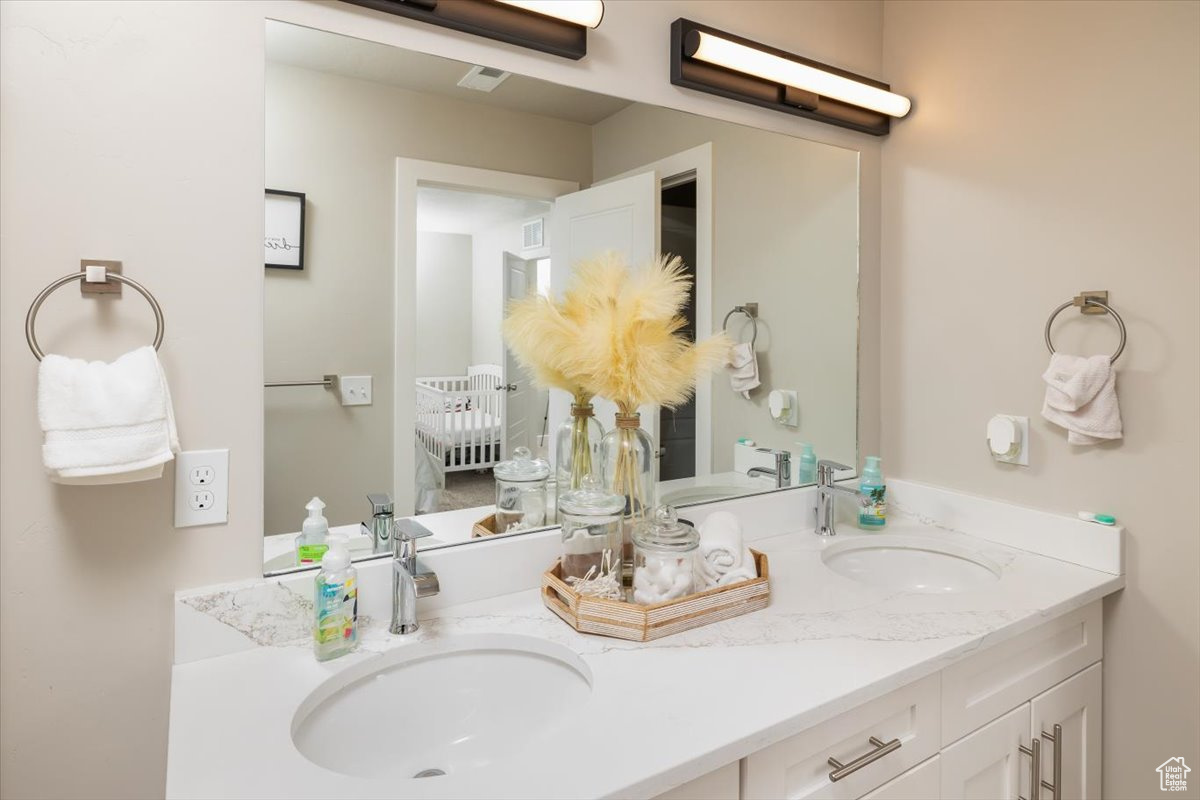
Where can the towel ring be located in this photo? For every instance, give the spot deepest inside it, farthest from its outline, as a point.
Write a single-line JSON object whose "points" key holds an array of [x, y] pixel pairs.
{"points": [[31, 316], [1082, 301], [751, 311]]}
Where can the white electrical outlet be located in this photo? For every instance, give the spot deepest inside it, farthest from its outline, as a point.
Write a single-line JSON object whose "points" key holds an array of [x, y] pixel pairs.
{"points": [[201, 488], [355, 389]]}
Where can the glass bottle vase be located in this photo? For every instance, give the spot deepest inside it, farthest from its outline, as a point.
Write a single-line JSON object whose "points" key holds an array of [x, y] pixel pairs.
{"points": [[627, 453], [577, 448]]}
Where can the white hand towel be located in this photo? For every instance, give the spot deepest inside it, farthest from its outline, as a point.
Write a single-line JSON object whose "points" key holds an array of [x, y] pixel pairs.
{"points": [[742, 364], [1081, 396], [722, 558], [105, 423]]}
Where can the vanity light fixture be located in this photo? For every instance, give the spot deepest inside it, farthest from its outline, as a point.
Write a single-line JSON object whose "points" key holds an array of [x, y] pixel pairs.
{"points": [[558, 27], [710, 60]]}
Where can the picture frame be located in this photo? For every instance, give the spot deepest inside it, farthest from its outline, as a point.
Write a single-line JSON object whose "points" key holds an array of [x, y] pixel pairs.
{"points": [[283, 242]]}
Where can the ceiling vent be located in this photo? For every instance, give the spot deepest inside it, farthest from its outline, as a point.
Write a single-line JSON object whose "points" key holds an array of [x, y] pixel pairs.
{"points": [[533, 234], [483, 79]]}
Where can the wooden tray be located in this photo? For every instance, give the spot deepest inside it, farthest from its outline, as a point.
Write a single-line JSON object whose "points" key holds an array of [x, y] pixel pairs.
{"points": [[485, 527], [646, 623]]}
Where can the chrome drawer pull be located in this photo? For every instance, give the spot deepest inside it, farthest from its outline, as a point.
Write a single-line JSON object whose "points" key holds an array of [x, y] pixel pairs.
{"points": [[841, 770], [1034, 751], [1055, 739]]}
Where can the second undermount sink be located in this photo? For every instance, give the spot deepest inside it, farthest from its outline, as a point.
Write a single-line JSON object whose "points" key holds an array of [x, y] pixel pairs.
{"points": [[911, 564], [427, 710]]}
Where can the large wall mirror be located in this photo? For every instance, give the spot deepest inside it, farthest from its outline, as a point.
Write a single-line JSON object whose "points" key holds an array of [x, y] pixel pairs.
{"points": [[436, 191]]}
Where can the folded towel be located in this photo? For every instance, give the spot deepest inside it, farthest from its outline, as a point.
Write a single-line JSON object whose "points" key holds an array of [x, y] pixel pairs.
{"points": [[1081, 396], [105, 423], [742, 364], [722, 558]]}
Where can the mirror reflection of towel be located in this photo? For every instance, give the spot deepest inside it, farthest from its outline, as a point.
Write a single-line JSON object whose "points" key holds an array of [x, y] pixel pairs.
{"points": [[743, 369]]}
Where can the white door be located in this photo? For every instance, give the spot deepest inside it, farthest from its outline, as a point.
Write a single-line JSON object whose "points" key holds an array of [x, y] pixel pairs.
{"points": [[1075, 705], [988, 764], [622, 217], [520, 395]]}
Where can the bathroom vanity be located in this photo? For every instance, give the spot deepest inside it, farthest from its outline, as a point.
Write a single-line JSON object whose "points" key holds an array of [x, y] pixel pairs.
{"points": [[969, 631]]}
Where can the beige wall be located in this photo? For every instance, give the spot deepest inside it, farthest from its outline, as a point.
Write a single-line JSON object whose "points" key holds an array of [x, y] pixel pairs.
{"points": [[785, 235], [336, 139], [1055, 147], [444, 289], [135, 131]]}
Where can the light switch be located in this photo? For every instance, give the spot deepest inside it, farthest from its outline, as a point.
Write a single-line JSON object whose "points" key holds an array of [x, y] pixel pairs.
{"points": [[1008, 439], [355, 389]]}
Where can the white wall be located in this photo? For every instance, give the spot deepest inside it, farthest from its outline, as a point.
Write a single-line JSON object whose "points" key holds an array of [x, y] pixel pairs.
{"points": [[487, 253], [785, 236], [444, 300], [135, 131], [1055, 147]]}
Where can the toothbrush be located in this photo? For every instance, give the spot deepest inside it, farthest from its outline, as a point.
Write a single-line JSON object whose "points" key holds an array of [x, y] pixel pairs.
{"points": [[1102, 519]]}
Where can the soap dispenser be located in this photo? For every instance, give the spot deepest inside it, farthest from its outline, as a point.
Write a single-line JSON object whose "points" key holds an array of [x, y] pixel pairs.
{"points": [[335, 602], [807, 472], [872, 514], [313, 540]]}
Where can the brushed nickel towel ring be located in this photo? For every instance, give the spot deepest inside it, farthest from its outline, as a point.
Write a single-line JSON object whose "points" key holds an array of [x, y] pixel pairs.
{"points": [[31, 316], [751, 311], [1089, 303]]}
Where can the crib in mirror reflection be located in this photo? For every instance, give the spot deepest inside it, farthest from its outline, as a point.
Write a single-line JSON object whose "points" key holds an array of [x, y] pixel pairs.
{"points": [[460, 418]]}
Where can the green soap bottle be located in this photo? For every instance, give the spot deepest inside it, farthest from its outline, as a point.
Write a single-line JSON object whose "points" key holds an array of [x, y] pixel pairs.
{"points": [[872, 515], [807, 473]]}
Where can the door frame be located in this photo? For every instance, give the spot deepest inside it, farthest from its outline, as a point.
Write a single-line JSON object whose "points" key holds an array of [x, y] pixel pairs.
{"points": [[410, 175], [697, 161]]}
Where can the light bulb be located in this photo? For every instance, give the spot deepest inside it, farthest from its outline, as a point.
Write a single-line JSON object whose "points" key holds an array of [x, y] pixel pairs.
{"points": [[587, 13]]}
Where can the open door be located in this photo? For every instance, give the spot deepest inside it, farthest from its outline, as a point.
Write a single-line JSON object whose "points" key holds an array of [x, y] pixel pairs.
{"points": [[622, 217], [520, 397]]}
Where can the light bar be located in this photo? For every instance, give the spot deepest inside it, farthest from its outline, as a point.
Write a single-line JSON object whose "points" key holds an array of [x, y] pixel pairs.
{"points": [[706, 59], [587, 13]]}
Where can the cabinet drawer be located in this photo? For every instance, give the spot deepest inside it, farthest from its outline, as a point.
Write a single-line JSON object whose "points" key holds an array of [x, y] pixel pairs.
{"points": [[798, 767], [720, 784], [981, 687], [922, 782]]}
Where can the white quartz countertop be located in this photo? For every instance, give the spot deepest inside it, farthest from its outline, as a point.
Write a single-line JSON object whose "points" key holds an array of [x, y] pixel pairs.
{"points": [[660, 713]]}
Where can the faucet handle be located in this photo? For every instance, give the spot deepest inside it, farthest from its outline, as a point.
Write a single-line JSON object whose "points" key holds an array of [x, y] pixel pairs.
{"points": [[408, 530], [826, 469], [381, 503], [825, 463]]}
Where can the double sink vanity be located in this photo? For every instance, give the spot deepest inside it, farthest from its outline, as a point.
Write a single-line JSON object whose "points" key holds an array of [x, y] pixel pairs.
{"points": [[951, 656]]}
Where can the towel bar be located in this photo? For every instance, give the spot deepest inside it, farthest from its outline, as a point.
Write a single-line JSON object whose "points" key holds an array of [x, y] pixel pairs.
{"points": [[1089, 303], [82, 275]]}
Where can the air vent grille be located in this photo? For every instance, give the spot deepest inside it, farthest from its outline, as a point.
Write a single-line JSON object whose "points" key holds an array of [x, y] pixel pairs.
{"points": [[533, 234]]}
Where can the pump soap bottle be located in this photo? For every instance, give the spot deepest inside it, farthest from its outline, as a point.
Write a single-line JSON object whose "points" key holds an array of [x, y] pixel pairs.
{"points": [[335, 601], [313, 540], [872, 515]]}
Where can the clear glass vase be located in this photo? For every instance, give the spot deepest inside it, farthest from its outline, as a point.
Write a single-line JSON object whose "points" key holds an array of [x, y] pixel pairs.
{"points": [[627, 453], [577, 448]]}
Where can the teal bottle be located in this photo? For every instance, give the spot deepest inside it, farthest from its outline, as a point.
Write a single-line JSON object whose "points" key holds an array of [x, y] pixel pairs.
{"points": [[872, 515], [807, 468]]}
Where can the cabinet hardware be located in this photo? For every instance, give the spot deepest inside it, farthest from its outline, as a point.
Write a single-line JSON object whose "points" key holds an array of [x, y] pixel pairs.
{"points": [[1056, 740], [841, 770], [1034, 751]]}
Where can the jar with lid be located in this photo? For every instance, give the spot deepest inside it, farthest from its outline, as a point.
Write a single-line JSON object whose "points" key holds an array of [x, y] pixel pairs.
{"points": [[664, 548], [521, 492], [592, 537]]}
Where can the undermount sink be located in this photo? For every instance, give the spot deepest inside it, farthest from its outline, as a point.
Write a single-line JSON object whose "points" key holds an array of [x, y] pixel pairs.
{"points": [[426, 710], [911, 564]]}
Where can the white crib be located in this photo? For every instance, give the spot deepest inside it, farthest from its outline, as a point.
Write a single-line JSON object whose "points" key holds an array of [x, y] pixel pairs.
{"points": [[460, 418]]}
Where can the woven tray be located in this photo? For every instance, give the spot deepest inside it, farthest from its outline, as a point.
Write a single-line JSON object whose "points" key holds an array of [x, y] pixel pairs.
{"points": [[646, 623]]}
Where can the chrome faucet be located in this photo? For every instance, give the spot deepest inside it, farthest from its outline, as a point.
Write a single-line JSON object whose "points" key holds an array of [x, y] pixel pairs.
{"points": [[827, 490], [409, 581], [783, 467], [380, 529]]}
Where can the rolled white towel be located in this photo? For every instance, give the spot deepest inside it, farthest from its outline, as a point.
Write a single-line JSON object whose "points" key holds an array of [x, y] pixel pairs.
{"points": [[722, 558]]}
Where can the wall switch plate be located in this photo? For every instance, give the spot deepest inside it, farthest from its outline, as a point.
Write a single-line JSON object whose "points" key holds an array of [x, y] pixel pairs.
{"points": [[201, 488], [1008, 439], [355, 389]]}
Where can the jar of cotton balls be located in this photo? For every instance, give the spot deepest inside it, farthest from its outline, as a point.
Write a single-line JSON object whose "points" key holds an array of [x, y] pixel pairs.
{"points": [[663, 551], [592, 539], [521, 492]]}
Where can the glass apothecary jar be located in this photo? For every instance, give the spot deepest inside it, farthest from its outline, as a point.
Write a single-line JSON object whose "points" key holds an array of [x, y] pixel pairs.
{"points": [[521, 492], [664, 549], [592, 539], [627, 455], [577, 447]]}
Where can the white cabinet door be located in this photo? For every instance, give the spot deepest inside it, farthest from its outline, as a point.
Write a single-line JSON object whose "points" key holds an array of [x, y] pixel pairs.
{"points": [[720, 784], [922, 782], [1073, 704], [988, 764]]}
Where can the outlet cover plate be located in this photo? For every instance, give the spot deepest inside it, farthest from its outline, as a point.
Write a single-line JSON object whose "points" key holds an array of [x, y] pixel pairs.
{"points": [[201, 488]]}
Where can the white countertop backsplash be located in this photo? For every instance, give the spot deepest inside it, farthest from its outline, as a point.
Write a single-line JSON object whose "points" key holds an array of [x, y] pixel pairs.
{"points": [[825, 644]]}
